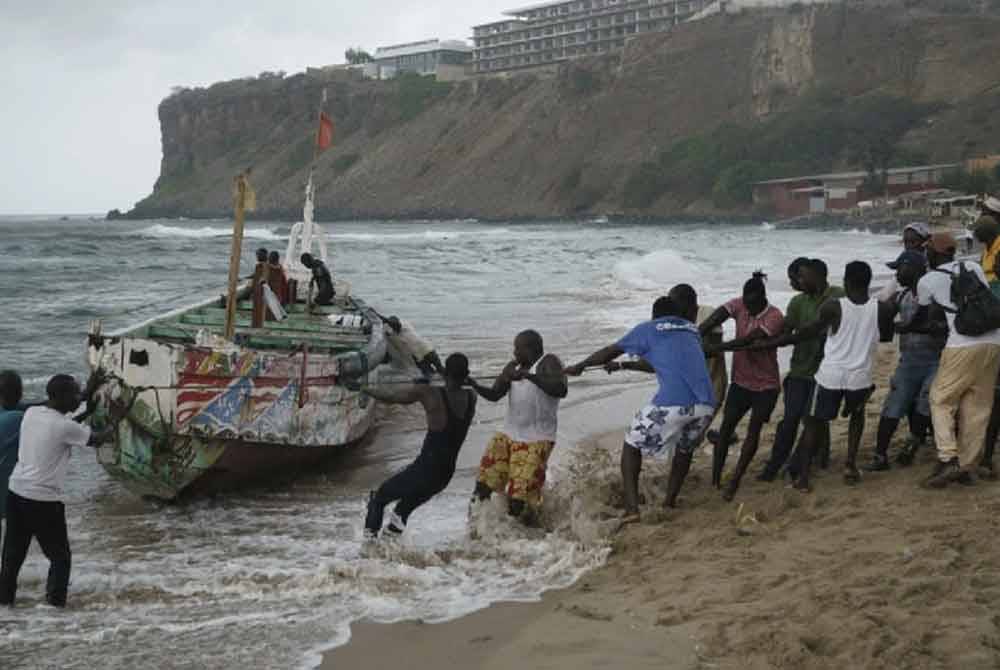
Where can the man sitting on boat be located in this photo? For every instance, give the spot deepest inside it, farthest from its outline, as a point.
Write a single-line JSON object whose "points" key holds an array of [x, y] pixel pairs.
{"points": [[409, 351], [449, 415], [321, 278]]}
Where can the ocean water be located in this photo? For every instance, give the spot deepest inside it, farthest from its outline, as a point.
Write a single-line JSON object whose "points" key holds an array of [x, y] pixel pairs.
{"points": [[271, 577]]}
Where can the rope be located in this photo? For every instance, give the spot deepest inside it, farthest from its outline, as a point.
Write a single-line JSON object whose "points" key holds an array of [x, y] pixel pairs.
{"points": [[211, 387]]}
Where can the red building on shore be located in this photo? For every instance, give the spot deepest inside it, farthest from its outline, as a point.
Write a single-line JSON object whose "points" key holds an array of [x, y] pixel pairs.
{"points": [[838, 191]]}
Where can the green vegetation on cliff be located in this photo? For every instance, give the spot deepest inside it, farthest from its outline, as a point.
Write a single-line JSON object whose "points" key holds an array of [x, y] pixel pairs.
{"points": [[678, 122], [822, 130]]}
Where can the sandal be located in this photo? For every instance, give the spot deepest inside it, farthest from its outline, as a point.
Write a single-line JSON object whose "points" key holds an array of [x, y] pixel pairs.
{"points": [[852, 476], [629, 518]]}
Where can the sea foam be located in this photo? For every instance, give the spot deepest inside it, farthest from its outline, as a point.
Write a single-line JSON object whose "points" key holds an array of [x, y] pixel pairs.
{"points": [[161, 231]]}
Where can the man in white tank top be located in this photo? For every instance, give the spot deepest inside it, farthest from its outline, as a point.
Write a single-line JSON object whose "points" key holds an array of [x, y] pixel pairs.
{"points": [[851, 326], [517, 457]]}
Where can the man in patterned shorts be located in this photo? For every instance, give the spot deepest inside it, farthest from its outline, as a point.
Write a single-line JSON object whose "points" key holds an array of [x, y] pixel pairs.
{"points": [[516, 458], [679, 414]]}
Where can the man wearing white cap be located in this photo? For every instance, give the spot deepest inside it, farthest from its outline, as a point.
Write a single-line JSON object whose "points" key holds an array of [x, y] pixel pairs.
{"points": [[915, 237], [967, 374]]}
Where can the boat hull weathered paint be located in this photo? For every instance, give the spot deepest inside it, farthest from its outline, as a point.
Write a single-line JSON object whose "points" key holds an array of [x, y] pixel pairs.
{"points": [[197, 414]]}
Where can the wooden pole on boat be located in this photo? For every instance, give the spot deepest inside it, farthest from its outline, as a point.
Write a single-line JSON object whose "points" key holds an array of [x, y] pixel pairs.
{"points": [[240, 193]]}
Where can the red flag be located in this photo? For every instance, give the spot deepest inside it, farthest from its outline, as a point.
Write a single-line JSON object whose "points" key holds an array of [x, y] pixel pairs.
{"points": [[324, 137]]}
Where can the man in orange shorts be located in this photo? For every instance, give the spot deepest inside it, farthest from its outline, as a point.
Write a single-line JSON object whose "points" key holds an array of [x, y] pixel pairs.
{"points": [[516, 458]]}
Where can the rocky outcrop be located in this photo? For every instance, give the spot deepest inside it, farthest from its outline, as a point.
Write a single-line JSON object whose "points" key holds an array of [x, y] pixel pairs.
{"points": [[562, 145]]}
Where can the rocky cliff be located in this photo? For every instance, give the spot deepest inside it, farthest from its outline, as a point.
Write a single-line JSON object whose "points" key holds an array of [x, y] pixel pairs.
{"points": [[600, 131]]}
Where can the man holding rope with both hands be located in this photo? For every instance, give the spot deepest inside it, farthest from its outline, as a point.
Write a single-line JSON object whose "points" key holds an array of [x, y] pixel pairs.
{"points": [[517, 457], [676, 420]]}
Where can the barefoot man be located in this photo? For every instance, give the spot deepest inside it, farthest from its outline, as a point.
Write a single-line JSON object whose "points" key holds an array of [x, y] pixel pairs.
{"points": [[681, 411], [516, 458], [844, 378]]}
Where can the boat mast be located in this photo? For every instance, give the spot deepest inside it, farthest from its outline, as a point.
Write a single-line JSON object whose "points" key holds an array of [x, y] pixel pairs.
{"points": [[308, 208], [305, 235], [241, 195]]}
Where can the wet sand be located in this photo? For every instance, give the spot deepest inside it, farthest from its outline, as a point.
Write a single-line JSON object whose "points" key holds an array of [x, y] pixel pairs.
{"points": [[879, 575], [563, 631]]}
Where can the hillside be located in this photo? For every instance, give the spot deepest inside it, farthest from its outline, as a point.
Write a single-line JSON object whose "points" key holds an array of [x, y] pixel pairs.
{"points": [[678, 122]]}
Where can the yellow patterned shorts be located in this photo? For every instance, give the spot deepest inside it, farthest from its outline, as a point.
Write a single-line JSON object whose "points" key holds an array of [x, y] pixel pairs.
{"points": [[516, 468]]}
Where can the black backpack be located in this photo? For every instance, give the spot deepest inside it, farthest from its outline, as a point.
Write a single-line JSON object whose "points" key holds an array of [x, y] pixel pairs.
{"points": [[977, 309]]}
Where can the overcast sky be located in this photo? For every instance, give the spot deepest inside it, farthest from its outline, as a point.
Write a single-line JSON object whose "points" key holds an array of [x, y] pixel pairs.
{"points": [[81, 79]]}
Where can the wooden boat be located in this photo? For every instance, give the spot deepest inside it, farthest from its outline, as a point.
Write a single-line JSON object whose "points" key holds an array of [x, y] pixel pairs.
{"points": [[203, 400], [206, 414]]}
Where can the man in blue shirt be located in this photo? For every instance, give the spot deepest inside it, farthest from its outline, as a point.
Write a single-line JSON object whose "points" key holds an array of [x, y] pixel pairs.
{"points": [[681, 411], [11, 413]]}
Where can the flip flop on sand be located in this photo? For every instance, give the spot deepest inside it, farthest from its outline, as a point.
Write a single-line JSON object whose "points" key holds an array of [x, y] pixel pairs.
{"points": [[629, 518]]}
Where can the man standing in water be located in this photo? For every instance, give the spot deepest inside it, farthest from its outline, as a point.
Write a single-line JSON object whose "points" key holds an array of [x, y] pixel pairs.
{"points": [[321, 278], [851, 326], [11, 415], [449, 415], [810, 277], [516, 458], [681, 411], [34, 502]]}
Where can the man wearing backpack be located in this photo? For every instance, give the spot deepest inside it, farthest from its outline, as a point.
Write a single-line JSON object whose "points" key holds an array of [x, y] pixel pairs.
{"points": [[970, 361]]}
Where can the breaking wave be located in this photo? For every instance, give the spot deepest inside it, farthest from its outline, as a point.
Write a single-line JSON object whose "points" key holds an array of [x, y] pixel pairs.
{"points": [[161, 231], [657, 270], [292, 589], [421, 236]]}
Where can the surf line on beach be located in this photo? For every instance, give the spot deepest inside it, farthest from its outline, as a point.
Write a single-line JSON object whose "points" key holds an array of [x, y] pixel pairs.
{"points": [[455, 561]]}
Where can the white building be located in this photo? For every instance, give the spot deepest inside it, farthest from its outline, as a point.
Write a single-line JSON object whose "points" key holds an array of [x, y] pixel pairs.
{"points": [[556, 31], [448, 60]]}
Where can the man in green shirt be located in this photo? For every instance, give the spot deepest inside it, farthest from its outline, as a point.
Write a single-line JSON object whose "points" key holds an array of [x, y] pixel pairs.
{"points": [[809, 276]]}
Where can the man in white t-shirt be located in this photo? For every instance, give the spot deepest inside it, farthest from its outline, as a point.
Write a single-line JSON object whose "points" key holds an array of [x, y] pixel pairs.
{"points": [[966, 376], [34, 502], [409, 349]]}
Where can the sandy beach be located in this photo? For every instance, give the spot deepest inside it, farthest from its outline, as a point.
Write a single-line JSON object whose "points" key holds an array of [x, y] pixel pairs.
{"points": [[879, 575]]}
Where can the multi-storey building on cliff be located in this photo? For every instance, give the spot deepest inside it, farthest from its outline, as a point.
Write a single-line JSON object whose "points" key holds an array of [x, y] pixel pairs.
{"points": [[545, 34], [448, 60], [555, 31]]}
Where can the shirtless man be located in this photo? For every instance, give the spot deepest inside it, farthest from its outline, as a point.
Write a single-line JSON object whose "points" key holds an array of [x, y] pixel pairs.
{"points": [[449, 415], [516, 458]]}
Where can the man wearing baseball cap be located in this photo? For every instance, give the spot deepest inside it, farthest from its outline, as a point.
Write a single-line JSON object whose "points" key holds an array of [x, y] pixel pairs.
{"points": [[915, 237], [919, 354], [967, 374]]}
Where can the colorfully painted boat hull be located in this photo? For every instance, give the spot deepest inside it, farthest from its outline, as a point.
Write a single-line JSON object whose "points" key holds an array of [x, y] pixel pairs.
{"points": [[198, 415]]}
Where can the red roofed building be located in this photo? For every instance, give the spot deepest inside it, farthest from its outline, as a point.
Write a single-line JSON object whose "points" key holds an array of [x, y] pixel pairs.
{"points": [[839, 191]]}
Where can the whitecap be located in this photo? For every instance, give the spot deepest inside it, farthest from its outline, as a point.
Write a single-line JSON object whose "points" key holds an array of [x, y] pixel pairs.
{"points": [[656, 270], [161, 231]]}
